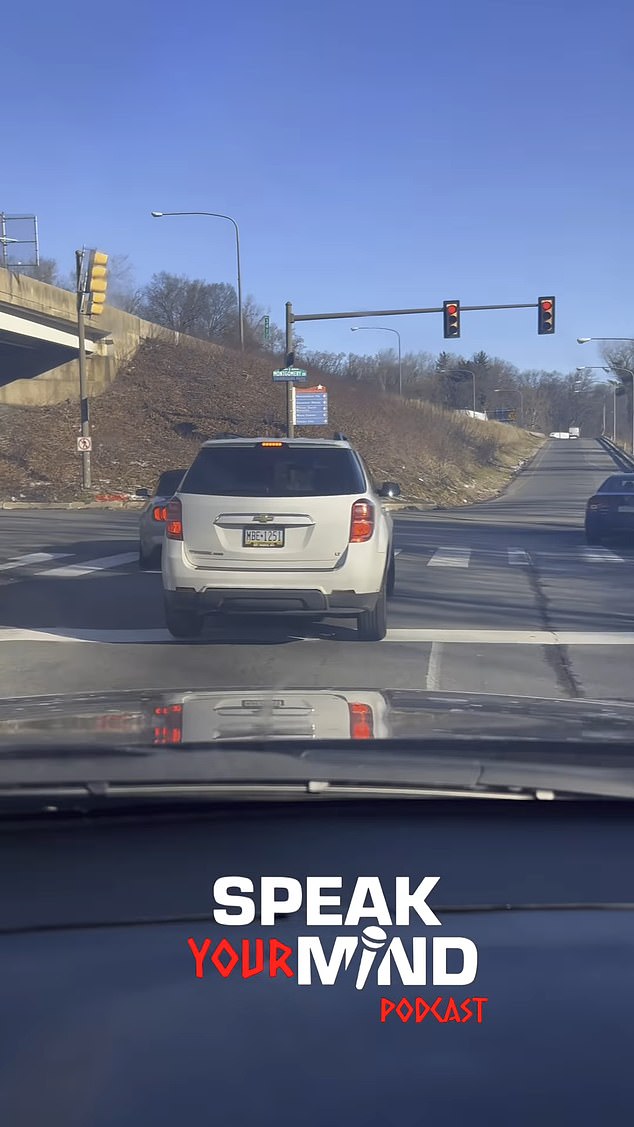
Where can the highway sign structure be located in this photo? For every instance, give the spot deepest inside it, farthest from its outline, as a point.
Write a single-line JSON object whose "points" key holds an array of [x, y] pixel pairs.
{"points": [[289, 375], [310, 406]]}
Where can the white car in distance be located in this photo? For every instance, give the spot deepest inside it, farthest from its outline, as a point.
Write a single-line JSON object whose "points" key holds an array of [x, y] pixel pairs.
{"points": [[290, 526]]}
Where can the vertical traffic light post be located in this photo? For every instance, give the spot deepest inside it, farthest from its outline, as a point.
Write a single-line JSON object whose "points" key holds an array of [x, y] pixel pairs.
{"points": [[92, 284], [289, 363]]}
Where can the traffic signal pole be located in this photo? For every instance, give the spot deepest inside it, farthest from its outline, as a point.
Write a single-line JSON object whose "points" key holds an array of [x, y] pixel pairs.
{"points": [[86, 480], [289, 363]]}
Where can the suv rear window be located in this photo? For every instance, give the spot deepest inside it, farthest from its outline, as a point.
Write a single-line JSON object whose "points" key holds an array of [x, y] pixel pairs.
{"points": [[169, 482], [286, 471]]}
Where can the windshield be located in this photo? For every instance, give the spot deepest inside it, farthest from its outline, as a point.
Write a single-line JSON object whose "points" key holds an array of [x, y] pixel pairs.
{"points": [[286, 407]]}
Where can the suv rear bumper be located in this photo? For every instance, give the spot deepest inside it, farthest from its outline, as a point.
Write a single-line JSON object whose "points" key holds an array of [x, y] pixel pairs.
{"points": [[232, 600]]}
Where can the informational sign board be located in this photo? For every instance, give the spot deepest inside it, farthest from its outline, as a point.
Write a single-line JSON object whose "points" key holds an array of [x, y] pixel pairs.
{"points": [[310, 406]]}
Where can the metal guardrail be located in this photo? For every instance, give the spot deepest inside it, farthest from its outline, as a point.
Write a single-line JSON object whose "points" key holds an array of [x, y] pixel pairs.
{"points": [[623, 460]]}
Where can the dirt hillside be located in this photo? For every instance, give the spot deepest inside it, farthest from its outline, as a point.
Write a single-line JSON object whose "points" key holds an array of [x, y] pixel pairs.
{"points": [[169, 399]]}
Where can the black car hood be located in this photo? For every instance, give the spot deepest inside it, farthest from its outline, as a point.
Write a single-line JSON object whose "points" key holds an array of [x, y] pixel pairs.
{"points": [[313, 742]]}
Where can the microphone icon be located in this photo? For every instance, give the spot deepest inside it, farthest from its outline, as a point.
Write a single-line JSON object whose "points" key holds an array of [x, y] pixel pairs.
{"points": [[373, 938]]}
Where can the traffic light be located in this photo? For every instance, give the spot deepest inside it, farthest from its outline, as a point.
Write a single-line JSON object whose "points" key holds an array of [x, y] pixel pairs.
{"points": [[96, 282], [545, 315], [451, 318]]}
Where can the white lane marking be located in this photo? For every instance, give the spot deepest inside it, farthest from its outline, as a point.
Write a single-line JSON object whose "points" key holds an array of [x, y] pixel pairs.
{"points": [[518, 556], [450, 557], [433, 669], [90, 566], [450, 637], [65, 634], [600, 555], [514, 637], [33, 558]]}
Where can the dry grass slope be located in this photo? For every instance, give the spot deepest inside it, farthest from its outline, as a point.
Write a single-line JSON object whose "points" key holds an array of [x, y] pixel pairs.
{"points": [[169, 399]]}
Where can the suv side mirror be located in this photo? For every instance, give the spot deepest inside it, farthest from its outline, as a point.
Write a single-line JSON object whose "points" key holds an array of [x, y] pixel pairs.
{"points": [[390, 489]]}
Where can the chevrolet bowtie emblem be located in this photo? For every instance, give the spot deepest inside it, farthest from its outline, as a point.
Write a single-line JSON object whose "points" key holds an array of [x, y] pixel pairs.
{"points": [[263, 518]]}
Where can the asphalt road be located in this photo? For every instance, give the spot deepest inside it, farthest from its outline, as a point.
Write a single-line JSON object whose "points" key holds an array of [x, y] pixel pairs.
{"points": [[501, 597]]}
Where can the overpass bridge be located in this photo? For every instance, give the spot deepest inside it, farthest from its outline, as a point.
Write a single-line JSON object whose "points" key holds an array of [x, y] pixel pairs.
{"points": [[39, 346]]}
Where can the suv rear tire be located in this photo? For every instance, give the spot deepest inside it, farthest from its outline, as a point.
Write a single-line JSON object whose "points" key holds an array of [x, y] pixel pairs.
{"points": [[372, 624], [184, 623]]}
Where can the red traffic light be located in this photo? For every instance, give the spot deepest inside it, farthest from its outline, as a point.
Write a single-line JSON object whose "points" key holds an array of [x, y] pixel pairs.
{"points": [[451, 319], [545, 315]]}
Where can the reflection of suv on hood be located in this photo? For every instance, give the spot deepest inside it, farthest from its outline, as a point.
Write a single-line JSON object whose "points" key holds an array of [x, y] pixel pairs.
{"points": [[278, 526]]}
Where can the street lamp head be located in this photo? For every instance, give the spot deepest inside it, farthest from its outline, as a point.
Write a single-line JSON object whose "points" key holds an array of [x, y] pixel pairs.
{"points": [[584, 340], [157, 214]]}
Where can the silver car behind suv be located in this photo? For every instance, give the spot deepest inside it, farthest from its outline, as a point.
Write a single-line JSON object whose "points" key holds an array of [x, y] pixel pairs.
{"points": [[153, 517]]}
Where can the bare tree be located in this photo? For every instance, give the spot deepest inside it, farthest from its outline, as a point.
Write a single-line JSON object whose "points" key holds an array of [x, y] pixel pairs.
{"points": [[192, 306]]}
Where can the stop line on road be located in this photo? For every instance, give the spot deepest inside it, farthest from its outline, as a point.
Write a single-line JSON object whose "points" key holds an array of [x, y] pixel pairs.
{"points": [[152, 636]]}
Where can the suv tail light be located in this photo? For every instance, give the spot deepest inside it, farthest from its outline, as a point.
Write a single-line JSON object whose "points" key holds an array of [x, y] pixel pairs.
{"points": [[159, 513], [362, 523], [361, 721], [174, 521], [601, 503]]}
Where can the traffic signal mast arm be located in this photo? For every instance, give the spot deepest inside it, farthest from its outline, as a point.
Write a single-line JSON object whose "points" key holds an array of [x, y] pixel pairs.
{"points": [[403, 312]]}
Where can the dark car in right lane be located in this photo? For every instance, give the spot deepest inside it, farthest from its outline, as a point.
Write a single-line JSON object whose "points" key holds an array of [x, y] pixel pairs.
{"points": [[610, 511]]}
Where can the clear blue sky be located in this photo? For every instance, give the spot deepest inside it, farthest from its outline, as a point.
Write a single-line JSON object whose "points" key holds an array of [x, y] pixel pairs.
{"points": [[375, 155]]}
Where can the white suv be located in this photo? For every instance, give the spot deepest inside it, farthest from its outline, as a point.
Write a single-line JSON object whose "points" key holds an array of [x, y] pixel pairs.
{"points": [[278, 526]]}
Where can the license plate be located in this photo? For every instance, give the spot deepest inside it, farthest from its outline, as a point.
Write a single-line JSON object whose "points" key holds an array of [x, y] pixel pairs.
{"points": [[263, 538], [627, 508]]}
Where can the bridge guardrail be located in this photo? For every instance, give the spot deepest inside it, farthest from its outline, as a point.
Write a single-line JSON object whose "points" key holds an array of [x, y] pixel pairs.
{"points": [[624, 460]]}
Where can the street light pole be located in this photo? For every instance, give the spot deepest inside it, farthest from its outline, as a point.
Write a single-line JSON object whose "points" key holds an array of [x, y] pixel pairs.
{"points": [[613, 384], [218, 215], [630, 373], [384, 329]]}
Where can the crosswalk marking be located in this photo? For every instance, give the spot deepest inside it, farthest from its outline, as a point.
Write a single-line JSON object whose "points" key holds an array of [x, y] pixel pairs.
{"points": [[89, 566], [450, 557], [33, 558], [602, 555], [518, 556]]}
